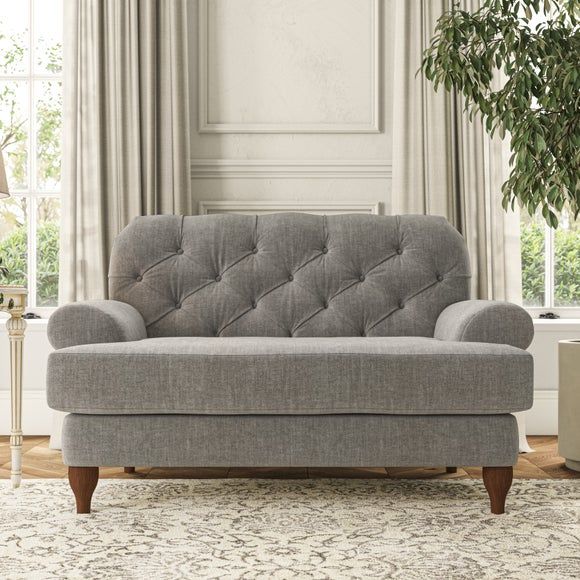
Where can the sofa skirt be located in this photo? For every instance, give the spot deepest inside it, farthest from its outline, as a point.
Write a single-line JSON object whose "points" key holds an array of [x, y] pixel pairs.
{"points": [[290, 440]]}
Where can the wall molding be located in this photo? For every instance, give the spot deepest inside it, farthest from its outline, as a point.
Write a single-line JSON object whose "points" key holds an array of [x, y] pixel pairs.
{"points": [[289, 169], [265, 207], [205, 126], [557, 326]]}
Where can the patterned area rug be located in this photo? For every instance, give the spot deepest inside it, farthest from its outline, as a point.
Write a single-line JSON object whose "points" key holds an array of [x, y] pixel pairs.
{"points": [[168, 529]]}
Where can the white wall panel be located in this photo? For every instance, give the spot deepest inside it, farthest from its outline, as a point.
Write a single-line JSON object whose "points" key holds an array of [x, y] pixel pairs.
{"points": [[276, 66], [291, 100]]}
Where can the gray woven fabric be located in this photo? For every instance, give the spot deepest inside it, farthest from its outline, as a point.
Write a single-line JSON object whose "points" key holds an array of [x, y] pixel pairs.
{"points": [[311, 441], [486, 321], [93, 322], [289, 274], [290, 375]]}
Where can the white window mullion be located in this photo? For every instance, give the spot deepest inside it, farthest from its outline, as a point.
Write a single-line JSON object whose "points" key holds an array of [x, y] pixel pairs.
{"points": [[549, 267], [32, 251], [32, 180], [23, 77]]}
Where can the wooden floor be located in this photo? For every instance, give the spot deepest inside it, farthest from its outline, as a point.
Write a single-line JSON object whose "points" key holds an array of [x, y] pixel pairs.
{"points": [[41, 462]]}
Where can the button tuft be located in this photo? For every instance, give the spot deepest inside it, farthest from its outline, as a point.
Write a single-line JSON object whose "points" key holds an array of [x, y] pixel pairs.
{"points": [[254, 250], [361, 278], [180, 251], [218, 278], [399, 251], [290, 278], [139, 278], [325, 305], [178, 307], [439, 278], [401, 305], [254, 304], [325, 250]]}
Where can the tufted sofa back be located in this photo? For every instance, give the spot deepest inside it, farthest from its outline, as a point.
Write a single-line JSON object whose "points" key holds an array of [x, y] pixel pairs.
{"points": [[289, 274]]}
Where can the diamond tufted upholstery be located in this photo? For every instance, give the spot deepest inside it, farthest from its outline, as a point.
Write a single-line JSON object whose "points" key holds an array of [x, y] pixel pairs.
{"points": [[289, 275]]}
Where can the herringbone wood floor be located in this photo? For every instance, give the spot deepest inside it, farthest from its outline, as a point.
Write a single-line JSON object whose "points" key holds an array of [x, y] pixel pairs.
{"points": [[41, 462]]}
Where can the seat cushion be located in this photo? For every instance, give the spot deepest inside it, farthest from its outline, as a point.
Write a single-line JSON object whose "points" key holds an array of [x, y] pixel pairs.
{"points": [[244, 375]]}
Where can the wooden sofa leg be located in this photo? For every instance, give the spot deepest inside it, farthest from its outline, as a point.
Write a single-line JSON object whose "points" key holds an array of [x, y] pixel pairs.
{"points": [[497, 481], [83, 481], [129, 470], [451, 469]]}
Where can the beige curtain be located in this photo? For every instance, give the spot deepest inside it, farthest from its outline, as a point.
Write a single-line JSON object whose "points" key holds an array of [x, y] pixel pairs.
{"points": [[445, 165], [126, 129]]}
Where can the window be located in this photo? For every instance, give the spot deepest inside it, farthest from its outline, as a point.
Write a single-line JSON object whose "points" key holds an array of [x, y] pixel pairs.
{"points": [[30, 138], [550, 259], [551, 265]]}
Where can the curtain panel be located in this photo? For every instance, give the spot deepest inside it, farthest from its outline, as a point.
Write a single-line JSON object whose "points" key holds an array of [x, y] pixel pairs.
{"points": [[126, 129], [443, 164]]}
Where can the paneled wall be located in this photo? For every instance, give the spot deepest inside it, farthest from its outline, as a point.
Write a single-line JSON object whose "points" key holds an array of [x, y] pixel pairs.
{"points": [[290, 109], [291, 101]]}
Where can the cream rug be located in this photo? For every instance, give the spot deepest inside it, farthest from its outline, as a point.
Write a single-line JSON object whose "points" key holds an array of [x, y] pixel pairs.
{"points": [[239, 528]]}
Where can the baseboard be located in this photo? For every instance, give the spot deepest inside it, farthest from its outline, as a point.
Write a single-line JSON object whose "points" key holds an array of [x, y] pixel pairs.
{"points": [[37, 418], [36, 415], [542, 418]]}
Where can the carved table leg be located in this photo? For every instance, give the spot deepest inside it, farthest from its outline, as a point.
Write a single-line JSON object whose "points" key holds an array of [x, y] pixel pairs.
{"points": [[83, 481], [16, 326], [497, 481], [129, 470]]}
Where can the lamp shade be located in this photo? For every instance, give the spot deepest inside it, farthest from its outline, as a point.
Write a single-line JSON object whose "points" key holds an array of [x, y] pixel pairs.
{"points": [[3, 181]]}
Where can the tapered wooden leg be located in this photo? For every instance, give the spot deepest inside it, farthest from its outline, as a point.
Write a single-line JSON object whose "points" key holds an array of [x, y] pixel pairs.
{"points": [[83, 481], [129, 470], [451, 469], [497, 481]]}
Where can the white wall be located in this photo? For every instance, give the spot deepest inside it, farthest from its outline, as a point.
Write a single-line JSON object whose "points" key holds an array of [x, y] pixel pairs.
{"points": [[291, 101], [542, 419], [36, 416]]}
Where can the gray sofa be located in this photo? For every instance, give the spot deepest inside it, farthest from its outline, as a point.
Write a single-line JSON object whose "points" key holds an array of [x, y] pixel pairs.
{"points": [[290, 340]]}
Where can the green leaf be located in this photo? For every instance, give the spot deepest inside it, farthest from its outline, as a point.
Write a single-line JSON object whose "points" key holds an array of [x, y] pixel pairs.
{"points": [[540, 143], [539, 103]]}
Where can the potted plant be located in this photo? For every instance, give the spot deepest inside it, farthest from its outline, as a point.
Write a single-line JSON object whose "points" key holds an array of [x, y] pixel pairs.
{"points": [[515, 63]]}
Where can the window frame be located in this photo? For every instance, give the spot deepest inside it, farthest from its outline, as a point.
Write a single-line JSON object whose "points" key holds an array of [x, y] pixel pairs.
{"points": [[567, 312], [32, 193]]}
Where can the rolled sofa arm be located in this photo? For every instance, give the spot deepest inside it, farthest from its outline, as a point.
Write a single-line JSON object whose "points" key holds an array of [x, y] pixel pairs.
{"points": [[485, 321], [95, 321]]}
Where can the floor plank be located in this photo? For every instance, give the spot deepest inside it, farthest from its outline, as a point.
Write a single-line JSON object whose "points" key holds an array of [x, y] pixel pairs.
{"points": [[188, 473], [41, 462], [425, 473], [269, 472], [348, 472]]}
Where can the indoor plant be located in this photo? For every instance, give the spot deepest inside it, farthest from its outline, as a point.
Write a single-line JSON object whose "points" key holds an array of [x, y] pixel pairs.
{"points": [[515, 63]]}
